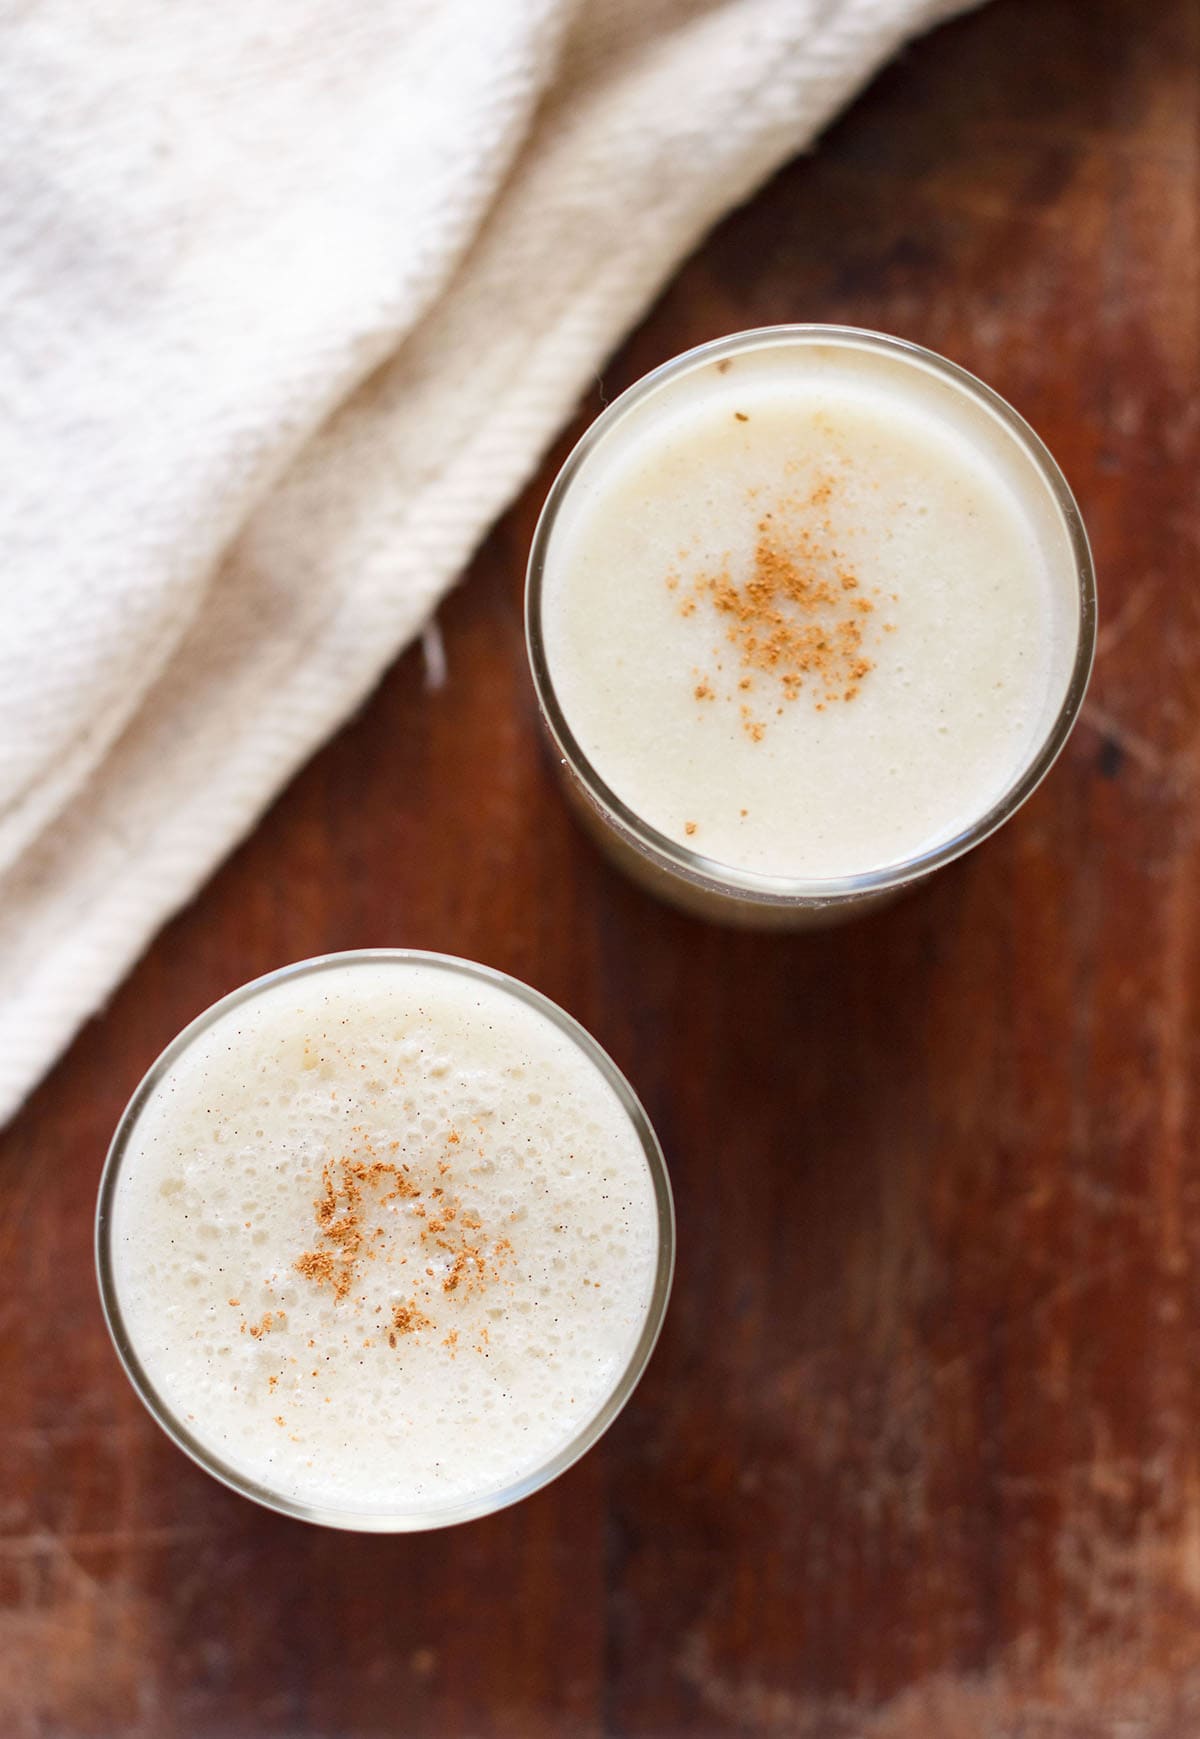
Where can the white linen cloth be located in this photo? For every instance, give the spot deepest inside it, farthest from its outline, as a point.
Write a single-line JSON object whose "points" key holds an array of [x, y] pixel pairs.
{"points": [[293, 296]]}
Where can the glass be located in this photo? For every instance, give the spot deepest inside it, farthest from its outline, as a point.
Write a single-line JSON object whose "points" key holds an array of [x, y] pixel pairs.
{"points": [[719, 891], [478, 1505]]}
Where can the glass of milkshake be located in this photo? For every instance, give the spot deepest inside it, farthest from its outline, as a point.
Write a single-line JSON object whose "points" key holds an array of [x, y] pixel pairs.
{"points": [[810, 612], [384, 1240]]}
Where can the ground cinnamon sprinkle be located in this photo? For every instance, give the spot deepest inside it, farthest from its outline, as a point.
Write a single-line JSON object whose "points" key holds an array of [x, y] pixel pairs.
{"points": [[338, 1210], [345, 1214], [471, 1266], [407, 1319], [795, 618], [318, 1265]]}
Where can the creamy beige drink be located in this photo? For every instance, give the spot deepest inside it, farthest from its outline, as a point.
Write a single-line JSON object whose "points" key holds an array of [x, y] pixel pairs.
{"points": [[806, 609], [387, 1242]]}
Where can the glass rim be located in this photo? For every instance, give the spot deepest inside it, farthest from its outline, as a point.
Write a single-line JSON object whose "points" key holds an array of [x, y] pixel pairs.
{"points": [[752, 885], [397, 1521]]}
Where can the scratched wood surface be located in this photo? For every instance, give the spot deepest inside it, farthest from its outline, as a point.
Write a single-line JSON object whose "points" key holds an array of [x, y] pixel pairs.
{"points": [[919, 1455]]}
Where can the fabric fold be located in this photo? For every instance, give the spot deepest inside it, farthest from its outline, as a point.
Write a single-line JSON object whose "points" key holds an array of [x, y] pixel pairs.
{"points": [[295, 302]]}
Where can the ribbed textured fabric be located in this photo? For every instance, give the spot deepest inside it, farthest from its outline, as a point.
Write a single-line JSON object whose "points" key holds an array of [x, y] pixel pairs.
{"points": [[293, 298]]}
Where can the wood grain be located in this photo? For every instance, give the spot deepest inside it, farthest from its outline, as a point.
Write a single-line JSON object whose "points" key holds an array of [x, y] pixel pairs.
{"points": [[919, 1454]]}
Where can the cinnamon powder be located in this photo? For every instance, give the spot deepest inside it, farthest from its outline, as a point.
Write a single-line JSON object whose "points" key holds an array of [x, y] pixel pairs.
{"points": [[798, 619], [343, 1215]]}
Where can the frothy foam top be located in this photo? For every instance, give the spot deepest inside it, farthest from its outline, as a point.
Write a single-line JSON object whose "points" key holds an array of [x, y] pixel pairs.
{"points": [[384, 1238], [808, 613]]}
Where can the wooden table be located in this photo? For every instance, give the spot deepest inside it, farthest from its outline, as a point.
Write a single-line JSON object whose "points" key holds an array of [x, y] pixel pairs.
{"points": [[919, 1454]]}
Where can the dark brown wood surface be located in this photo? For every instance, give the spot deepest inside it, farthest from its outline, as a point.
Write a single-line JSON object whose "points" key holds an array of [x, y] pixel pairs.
{"points": [[919, 1454]]}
